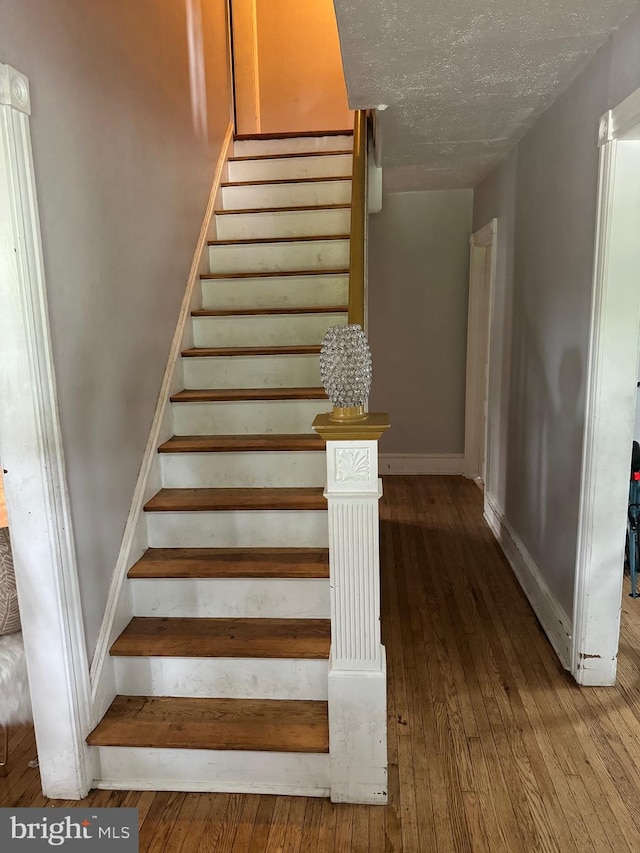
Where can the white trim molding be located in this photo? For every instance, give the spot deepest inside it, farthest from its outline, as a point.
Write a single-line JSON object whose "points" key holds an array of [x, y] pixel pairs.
{"points": [[479, 325], [357, 674], [610, 400], [623, 122], [551, 615], [422, 463], [119, 609], [35, 479]]}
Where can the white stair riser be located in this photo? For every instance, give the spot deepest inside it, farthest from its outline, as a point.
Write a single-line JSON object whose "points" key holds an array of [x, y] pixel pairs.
{"points": [[239, 529], [222, 678], [252, 371], [292, 145], [250, 470], [286, 223], [241, 598], [286, 195], [142, 769], [288, 168], [290, 291], [264, 329], [272, 257], [248, 417]]}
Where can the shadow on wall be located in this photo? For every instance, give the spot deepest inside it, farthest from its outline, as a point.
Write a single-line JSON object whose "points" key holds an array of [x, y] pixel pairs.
{"points": [[546, 433]]}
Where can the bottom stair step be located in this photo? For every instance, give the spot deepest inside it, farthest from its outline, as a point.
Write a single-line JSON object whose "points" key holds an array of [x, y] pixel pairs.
{"points": [[288, 774], [264, 725]]}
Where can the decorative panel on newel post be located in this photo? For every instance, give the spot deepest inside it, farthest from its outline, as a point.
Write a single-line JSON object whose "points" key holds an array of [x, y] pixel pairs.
{"points": [[357, 674]]}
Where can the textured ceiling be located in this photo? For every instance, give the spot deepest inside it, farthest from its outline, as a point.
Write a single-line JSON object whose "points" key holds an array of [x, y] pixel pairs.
{"points": [[463, 79]]}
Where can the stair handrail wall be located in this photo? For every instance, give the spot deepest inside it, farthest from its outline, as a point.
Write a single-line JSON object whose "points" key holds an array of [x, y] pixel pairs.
{"points": [[359, 217], [119, 609]]}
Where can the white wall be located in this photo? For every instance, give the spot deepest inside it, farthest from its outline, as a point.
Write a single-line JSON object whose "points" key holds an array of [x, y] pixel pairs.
{"points": [[124, 168], [544, 196], [418, 294]]}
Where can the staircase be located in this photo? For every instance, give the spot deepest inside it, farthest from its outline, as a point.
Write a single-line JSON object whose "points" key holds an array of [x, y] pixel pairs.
{"points": [[222, 674]]}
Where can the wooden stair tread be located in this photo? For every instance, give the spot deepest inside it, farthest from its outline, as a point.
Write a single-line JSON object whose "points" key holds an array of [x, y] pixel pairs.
{"points": [[213, 352], [169, 722], [293, 155], [255, 183], [212, 276], [221, 500], [288, 134], [241, 443], [244, 312], [259, 241], [216, 395], [201, 637], [232, 563], [289, 209]]}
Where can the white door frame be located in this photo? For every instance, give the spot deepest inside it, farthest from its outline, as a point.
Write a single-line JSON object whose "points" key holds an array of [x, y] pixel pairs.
{"points": [[611, 399], [35, 482], [479, 325]]}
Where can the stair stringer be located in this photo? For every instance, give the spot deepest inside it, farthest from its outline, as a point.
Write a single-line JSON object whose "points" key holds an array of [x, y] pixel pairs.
{"points": [[119, 609]]}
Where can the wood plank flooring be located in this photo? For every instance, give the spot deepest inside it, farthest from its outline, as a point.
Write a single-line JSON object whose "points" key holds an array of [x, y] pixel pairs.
{"points": [[492, 746]]}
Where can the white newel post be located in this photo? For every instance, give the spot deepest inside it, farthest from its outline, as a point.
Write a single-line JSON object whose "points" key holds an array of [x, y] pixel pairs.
{"points": [[357, 672]]}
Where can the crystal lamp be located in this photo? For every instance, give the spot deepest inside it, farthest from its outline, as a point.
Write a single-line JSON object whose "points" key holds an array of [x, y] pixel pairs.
{"points": [[345, 371]]}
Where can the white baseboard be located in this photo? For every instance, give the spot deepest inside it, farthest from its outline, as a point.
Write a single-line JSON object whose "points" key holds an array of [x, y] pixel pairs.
{"points": [[555, 621], [119, 610], [421, 463]]}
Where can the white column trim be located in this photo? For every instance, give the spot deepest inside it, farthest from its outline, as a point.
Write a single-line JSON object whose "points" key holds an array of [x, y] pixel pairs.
{"points": [[479, 324], [357, 676], [610, 400], [33, 456]]}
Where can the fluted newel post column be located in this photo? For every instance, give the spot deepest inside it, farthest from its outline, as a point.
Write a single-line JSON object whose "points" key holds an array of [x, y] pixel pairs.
{"points": [[357, 672]]}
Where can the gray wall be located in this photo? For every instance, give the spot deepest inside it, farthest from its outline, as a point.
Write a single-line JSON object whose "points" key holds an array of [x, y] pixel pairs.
{"points": [[545, 196], [123, 179], [418, 293]]}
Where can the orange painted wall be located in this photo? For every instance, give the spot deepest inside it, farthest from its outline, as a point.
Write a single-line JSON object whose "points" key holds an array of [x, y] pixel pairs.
{"points": [[300, 68]]}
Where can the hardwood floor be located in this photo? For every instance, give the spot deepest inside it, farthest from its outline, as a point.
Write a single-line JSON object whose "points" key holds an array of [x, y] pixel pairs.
{"points": [[492, 747]]}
